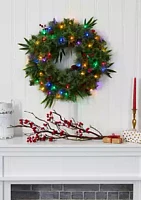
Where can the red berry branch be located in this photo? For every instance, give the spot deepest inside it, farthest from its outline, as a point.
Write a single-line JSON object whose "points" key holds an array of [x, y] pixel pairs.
{"points": [[56, 127]]}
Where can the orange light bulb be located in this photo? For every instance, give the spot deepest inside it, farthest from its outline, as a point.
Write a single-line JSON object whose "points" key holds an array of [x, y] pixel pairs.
{"points": [[97, 37], [85, 65], [44, 38], [82, 73], [37, 42], [41, 74], [72, 38], [89, 45], [61, 26], [95, 76], [40, 57], [42, 89], [58, 96]]}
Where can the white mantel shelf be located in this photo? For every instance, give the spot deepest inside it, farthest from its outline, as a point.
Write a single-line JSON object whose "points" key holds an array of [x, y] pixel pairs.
{"points": [[66, 161], [20, 142], [85, 148]]}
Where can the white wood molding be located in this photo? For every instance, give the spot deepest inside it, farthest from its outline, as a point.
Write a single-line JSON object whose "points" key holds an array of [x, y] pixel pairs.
{"points": [[137, 190], [7, 191], [1, 190]]}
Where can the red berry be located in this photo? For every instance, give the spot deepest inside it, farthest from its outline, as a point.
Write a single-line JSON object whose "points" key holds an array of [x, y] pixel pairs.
{"points": [[34, 129], [69, 124], [29, 139], [61, 133], [80, 124], [31, 124], [37, 136], [44, 138], [26, 121], [51, 139], [54, 132], [21, 121], [87, 130], [44, 124]]}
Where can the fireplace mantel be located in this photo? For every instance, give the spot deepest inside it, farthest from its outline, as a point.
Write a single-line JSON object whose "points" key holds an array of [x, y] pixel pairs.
{"points": [[67, 161]]}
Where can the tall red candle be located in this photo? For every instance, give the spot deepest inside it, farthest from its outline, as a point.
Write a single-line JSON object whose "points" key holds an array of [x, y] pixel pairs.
{"points": [[134, 94]]}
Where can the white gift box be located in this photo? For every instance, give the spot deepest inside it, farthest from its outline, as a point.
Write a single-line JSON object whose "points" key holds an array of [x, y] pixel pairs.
{"points": [[132, 136], [6, 120]]}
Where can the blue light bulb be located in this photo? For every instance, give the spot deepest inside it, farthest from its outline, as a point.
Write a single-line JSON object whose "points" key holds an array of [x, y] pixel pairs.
{"points": [[103, 69], [48, 84], [36, 61], [87, 34], [48, 29], [61, 92], [61, 40], [78, 64]]}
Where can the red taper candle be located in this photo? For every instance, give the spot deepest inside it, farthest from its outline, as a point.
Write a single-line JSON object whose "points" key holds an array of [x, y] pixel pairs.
{"points": [[134, 94]]}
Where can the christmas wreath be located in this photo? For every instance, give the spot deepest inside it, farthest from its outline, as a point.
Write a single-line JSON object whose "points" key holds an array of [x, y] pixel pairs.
{"points": [[53, 42]]}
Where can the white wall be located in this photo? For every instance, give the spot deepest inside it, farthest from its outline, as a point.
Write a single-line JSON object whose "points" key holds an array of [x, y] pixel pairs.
{"points": [[119, 22]]}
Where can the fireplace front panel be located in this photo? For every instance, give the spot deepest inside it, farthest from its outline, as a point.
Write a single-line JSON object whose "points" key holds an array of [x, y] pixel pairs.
{"points": [[70, 166]]}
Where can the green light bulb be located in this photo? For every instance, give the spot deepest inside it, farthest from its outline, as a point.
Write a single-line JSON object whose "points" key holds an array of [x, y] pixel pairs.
{"points": [[37, 81], [43, 31], [85, 26], [53, 87], [95, 64], [66, 94]]}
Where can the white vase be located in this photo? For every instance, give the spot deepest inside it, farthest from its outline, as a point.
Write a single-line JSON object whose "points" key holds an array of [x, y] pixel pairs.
{"points": [[6, 120]]}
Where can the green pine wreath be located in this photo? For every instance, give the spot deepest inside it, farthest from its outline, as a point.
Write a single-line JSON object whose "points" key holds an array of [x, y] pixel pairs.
{"points": [[51, 44]]}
